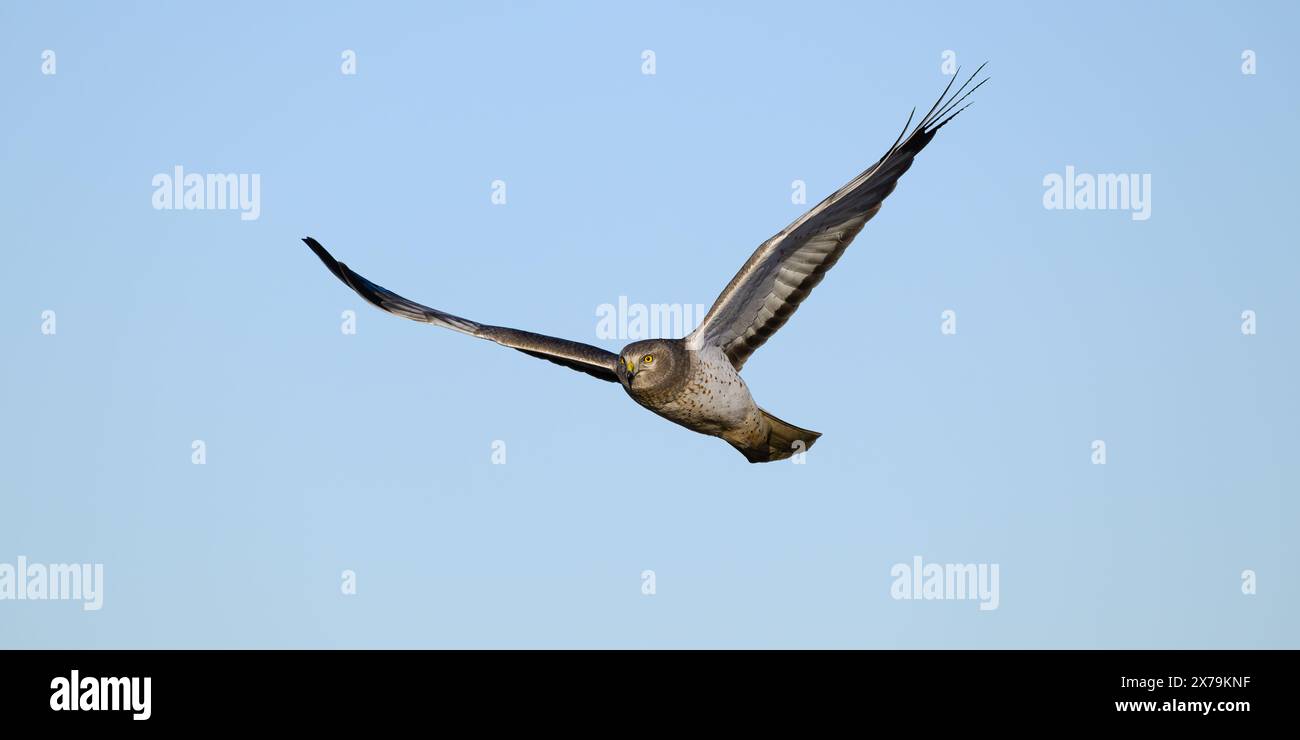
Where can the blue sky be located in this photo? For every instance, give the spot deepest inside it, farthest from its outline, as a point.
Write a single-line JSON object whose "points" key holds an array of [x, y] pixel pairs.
{"points": [[372, 452]]}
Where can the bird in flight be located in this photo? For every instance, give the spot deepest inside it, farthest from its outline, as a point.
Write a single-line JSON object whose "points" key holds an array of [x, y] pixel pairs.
{"points": [[695, 381]]}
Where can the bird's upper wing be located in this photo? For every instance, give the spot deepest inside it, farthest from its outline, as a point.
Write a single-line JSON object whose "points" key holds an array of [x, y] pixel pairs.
{"points": [[585, 358], [785, 269]]}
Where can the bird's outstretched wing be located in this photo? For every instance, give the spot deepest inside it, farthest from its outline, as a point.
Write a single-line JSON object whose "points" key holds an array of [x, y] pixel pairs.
{"points": [[585, 358], [785, 269]]}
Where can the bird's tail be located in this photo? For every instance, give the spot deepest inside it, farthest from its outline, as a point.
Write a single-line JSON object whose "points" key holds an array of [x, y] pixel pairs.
{"points": [[783, 440]]}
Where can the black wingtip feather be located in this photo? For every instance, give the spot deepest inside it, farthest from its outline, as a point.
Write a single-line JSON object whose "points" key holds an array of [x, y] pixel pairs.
{"points": [[334, 265], [903, 133], [941, 113]]}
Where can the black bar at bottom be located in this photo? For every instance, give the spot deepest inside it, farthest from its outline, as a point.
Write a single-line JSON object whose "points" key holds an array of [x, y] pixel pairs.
{"points": [[243, 688]]}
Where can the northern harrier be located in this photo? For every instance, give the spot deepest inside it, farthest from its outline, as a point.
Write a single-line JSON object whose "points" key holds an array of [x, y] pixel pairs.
{"points": [[695, 381]]}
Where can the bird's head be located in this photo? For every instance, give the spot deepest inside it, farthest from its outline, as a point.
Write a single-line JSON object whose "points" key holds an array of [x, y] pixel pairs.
{"points": [[650, 364]]}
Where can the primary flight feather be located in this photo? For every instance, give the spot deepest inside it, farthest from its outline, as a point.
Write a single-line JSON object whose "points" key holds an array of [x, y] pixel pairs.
{"points": [[695, 381]]}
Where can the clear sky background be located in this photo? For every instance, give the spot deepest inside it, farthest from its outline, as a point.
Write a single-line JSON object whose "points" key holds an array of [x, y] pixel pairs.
{"points": [[372, 452]]}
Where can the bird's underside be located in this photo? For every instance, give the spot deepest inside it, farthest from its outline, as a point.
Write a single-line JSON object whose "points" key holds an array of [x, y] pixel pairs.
{"points": [[695, 381]]}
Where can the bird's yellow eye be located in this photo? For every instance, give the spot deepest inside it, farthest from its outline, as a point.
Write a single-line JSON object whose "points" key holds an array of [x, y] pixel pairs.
{"points": [[647, 359]]}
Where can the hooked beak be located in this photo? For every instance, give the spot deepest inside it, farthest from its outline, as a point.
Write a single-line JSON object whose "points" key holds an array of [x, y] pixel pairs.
{"points": [[631, 370]]}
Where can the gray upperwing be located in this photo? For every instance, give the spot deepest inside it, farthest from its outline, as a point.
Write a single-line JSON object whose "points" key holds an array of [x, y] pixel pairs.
{"points": [[781, 273], [584, 358]]}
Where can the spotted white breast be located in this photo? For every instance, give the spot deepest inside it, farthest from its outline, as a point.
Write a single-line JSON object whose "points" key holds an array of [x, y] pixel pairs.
{"points": [[714, 399]]}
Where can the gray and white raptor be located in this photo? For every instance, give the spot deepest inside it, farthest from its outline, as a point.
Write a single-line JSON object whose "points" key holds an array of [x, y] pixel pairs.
{"points": [[695, 381]]}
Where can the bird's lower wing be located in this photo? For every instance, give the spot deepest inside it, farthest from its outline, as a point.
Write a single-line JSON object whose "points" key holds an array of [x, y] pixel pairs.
{"points": [[784, 269], [585, 358]]}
